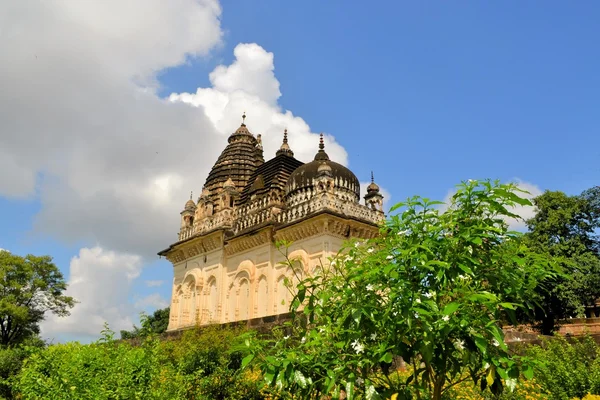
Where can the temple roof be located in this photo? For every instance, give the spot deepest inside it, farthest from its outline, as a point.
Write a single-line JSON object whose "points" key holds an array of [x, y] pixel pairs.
{"points": [[272, 174], [304, 177], [237, 162]]}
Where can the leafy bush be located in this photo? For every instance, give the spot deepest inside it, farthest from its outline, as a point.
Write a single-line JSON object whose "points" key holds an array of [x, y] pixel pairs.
{"points": [[568, 369], [199, 365]]}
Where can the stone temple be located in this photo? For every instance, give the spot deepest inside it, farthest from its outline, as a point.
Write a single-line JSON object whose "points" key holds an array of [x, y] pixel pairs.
{"points": [[226, 265]]}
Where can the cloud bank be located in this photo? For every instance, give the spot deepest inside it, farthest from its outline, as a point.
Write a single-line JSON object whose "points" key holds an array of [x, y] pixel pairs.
{"points": [[111, 162]]}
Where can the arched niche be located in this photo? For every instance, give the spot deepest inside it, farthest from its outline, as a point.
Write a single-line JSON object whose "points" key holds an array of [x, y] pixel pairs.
{"points": [[188, 300], [299, 261], [211, 300], [238, 296], [262, 297]]}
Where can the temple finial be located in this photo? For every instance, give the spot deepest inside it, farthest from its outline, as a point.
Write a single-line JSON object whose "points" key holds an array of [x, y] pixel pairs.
{"points": [[372, 178], [191, 194], [285, 147], [244, 119], [321, 142]]}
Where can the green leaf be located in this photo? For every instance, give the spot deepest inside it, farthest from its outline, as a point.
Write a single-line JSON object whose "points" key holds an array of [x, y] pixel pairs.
{"points": [[528, 372], [387, 358], [465, 269], [247, 360], [450, 308], [509, 306], [476, 240]]}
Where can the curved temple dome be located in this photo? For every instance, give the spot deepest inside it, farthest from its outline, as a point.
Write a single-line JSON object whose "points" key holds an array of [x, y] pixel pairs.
{"points": [[305, 177]]}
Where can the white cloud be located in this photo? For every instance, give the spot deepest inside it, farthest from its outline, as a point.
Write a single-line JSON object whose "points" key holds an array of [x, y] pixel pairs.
{"points": [[250, 85], [111, 162], [100, 281], [4, 250], [84, 130], [154, 301], [525, 212], [155, 283]]}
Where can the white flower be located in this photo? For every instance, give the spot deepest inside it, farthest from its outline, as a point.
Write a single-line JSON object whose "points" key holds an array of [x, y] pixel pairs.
{"points": [[370, 287], [356, 244], [462, 277], [286, 337], [486, 366], [348, 258], [370, 250], [359, 381], [303, 340], [459, 344], [470, 250], [358, 347], [332, 264], [373, 336], [416, 315], [390, 257], [402, 232], [495, 343], [471, 181], [428, 295], [418, 301], [446, 318], [511, 383]]}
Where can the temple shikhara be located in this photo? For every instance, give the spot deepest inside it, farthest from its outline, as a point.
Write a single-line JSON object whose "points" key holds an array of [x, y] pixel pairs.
{"points": [[226, 265]]}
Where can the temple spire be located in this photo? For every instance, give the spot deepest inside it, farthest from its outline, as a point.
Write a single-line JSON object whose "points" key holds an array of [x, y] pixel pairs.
{"points": [[244, 119], [372, 178], [285, 147], [321, 155]]}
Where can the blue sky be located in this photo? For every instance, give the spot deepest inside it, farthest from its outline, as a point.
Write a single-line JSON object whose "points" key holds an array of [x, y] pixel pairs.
{"points": [[425, 94]]}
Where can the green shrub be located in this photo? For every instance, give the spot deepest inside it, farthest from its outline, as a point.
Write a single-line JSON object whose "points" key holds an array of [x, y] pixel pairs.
{"points": [[568, 369], [198, 365]]}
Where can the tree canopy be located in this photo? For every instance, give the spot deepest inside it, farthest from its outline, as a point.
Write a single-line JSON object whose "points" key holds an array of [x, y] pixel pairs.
{"points": [[565, 227], [156, 323], [30, 286]]}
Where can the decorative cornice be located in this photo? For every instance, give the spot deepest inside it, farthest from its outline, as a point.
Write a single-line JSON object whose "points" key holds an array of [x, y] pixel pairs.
{"points": [[193, 247], [246, 242], [326, 224]]}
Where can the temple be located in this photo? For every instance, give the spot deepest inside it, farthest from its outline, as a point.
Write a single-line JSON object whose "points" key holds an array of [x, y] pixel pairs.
{"points": [[226, 265]]}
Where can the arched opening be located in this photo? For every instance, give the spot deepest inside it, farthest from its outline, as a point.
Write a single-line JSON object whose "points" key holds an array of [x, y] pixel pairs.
{"points": [[262, 297], [282, 305], [212, 301], [188, 306], [243, 299], [231, 303]]}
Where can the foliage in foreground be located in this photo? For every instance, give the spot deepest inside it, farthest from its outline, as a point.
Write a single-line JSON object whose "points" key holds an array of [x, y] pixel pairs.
{"points": [[433, 288], [196, 366], [206, 365], [568, 368]]}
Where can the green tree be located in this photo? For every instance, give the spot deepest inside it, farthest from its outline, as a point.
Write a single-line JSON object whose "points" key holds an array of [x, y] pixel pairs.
{"points": [[433, 288], [30, 286], [156, 323], [564, 227]]}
